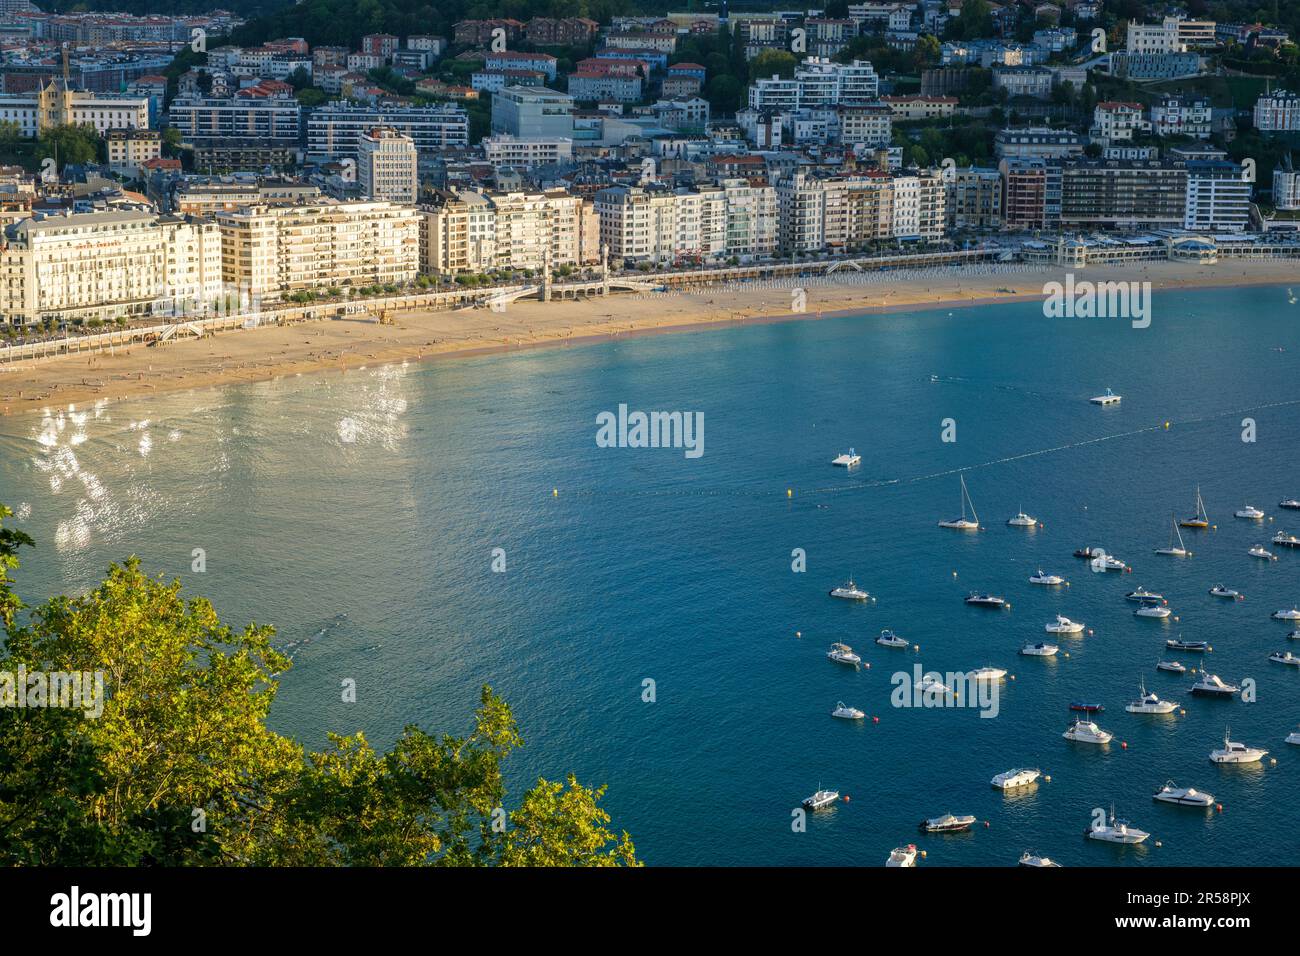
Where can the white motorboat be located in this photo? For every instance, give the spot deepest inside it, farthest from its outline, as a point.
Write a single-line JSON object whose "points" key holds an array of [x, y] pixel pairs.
{"points": [[1108, 562], [821, 800], [845, 712], [1086, 732], [1294, 636], [1250, 513], [1200, 519], [986, 600], [888, 638], [1050, 580], [902, 856], [1286, 540], [850, 592], [1211, 685], [1149, 703], [1033, 859], [1284, 657], [847, 460], [964, 523], [1293, 737], [1172, 550], [1183, 796], [931, 684], [1041, 649], [948, 823], [1158, 611], [1022, 520], [1259, 551], [1284, 615], [1174, 666], [988, 673], [1142, 596], [1115, 831], [1234, 752], [1292, 504], [1063, 625], [1196, 647], [1110, 398], [1222, 591], [1014, 779], [843, 654]]}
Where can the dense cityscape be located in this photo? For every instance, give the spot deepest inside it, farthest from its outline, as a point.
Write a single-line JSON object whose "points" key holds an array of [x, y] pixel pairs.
{"points": [[156, 168]]}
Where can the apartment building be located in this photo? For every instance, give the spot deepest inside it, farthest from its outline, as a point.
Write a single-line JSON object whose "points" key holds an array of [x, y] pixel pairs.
{"points": [[1218, 197], [504, 150], [273, 251], [516, 60], [817, 82], [273, 120], [1114, 121], [1026, 182], [1182, 115], [386, 165], [469, 231], [843, 213], [710, 222], [1277, 112], [1037, 142], [919, 206], [129, 149], [591, 87], [1162, 37], [974, 199], [205, 199], [1286, 185], [335, 130], [1109, 194], [533, 113], [102, 266]]}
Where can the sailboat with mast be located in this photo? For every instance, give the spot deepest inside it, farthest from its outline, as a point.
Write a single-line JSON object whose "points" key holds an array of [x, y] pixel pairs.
{"points": [[964, 523], [1200, 519], [1180, 551]]}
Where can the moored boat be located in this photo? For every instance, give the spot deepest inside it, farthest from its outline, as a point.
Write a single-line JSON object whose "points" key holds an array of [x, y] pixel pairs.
{"points": [[1183, 796], [948, 823]]}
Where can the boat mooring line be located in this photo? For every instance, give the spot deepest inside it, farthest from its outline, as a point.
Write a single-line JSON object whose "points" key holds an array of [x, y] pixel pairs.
{"points": [[916, 479]]}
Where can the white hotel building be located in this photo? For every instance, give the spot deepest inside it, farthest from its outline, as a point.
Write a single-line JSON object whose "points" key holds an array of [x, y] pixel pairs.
{"points": [[108, 265]]}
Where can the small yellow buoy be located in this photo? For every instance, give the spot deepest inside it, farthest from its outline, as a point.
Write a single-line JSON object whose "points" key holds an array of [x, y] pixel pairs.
{"points": [[789, 492], [1166, 426], [1048, 778], [1158, 843], [555, 492], [798, 633]]}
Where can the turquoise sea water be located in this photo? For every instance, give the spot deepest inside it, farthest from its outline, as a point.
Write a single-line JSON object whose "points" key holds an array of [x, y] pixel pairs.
{"points": [[358, 512]]}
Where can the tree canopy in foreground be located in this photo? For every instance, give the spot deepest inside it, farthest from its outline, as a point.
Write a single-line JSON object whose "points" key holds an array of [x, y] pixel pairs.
{"points": [[180, 769]]}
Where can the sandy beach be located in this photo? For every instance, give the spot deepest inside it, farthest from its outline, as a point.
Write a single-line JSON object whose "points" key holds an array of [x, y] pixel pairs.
{"points": [[338, 344]]}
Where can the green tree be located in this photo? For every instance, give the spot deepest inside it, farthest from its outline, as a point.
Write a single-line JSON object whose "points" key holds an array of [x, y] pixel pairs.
{"points": [[182, 737], [70, 144]]}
